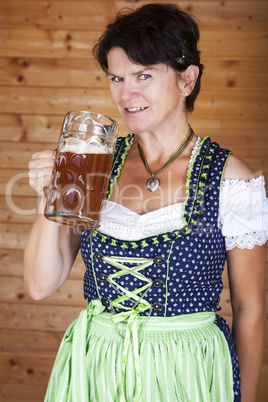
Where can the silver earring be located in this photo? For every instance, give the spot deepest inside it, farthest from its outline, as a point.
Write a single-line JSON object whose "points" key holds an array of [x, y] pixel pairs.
{"points": [[185, 93]]}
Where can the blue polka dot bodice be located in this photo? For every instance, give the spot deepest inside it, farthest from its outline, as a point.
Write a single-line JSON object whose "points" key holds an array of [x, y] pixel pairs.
{"points": [[173, 273]]}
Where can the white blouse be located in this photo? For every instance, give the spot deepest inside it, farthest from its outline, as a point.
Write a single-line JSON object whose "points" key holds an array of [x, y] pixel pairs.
{"points": [[243, 215]]}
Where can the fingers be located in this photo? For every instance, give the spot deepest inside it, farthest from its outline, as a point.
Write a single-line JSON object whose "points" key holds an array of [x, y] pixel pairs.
{"points": [[40, 170], [42, 159]]}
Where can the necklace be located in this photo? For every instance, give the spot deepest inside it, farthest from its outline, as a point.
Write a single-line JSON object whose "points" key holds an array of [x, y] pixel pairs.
{"points": [[153, 183]]}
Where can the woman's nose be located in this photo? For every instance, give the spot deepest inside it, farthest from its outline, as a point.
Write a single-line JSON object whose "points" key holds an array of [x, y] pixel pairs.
{"points": [[129, 92]]}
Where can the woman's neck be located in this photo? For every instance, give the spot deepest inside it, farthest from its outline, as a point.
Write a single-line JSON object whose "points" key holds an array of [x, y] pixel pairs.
{"points": [[162, 145]]}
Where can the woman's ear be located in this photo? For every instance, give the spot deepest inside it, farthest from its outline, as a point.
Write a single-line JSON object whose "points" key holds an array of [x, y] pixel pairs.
{"points": [[188, 79]]}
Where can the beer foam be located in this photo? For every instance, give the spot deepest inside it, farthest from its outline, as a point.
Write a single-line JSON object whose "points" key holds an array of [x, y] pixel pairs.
{"points": [[84, 148]]}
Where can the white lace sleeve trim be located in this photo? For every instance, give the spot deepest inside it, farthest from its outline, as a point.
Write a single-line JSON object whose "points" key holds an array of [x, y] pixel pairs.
{"points": [[254, 183], [243, 216], [248, 240]]}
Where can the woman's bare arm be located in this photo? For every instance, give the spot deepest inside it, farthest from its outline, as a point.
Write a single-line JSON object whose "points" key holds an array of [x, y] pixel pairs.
{"points": [[247, 279], [246, 270]]}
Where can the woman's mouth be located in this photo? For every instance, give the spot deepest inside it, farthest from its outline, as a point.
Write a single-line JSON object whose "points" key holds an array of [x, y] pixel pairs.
{"points": [[135, 109]]}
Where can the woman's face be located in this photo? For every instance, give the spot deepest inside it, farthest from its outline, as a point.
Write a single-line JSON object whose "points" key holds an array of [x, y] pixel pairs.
{"points": [[148, 98]]}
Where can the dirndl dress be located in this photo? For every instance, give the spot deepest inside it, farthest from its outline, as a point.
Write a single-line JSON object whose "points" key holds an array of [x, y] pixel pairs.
{"points": [[150, 331]]}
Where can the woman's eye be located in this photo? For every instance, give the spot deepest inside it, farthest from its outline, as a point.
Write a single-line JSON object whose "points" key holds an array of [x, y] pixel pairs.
{"points": [[144, 76], [116, 79]]}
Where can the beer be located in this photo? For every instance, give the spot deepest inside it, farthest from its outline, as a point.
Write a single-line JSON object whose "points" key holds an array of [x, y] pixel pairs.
{"points": [[79, 185], [81, 171]]}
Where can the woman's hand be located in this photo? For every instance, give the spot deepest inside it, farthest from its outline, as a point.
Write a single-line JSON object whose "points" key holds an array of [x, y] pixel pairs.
{"points": [[40, 170]]}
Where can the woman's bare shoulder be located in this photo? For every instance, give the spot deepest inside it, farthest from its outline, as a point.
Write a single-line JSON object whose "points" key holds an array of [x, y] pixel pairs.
{"points": [[237, 168]]}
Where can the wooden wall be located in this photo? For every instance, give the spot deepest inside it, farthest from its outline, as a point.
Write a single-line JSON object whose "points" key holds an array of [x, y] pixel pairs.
{"points": [[46, 69]]}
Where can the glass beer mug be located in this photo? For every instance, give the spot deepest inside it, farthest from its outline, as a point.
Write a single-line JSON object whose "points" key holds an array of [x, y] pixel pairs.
{"points": [[81, 172]]}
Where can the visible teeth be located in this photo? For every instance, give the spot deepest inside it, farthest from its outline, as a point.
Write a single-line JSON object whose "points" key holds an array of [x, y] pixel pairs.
{"points": [[135, 109]]}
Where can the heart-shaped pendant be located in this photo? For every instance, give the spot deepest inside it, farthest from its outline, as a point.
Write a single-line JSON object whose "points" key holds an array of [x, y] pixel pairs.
{"points": [[153, 184]]}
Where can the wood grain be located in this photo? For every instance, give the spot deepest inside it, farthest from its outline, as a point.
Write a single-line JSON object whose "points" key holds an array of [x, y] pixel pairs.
{"points": [[15, 182], [69, 294], [41, 129], [30, 342], [10, 392], [19, 316], [225, 104], [11, 264], [80, 73], [46, 69], [78, 15], [49, 43]]}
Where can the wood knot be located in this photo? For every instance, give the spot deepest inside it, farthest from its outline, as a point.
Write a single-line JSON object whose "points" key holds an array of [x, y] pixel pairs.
{"points": [[230, 83], [20, 78]]}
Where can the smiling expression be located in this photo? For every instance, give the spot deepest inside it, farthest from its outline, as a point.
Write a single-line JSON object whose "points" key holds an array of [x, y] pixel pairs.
{"points": [[148, 97]]}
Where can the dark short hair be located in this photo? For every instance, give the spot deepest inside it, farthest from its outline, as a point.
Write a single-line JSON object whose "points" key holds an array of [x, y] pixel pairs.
{"points": [[154, 33]]}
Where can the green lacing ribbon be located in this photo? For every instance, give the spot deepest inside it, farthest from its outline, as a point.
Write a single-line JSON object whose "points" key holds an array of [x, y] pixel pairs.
{"points": [[131, 313]]}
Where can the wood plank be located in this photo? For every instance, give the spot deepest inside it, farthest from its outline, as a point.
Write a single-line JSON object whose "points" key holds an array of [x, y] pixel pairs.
{"points": [[16, 391], [27, 369], [78, 15], [75, 73], [216, 45], [30, 42], [11, 264], [30, 342], [30, 317], [234, 74], [262, 386], [29, 127], [17, 155], [13, 235], [18, 209], [46, 128], [262, 393], [227, 104], [55, 100], [36, 128], [231, 105], [15, 182], [47, 45], [58, 72], [69, 294], [234, 45]]}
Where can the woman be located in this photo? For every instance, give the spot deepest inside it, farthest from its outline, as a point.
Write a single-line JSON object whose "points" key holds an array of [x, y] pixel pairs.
{"points": [[172, 216]]}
